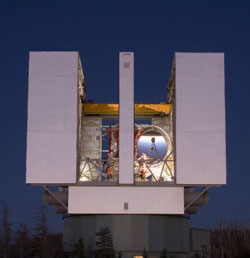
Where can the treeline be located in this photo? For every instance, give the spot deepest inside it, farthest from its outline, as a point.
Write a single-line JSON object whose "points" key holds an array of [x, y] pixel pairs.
{"points": [[41, 243], [227, 241], [28, 243], [230, 241]]}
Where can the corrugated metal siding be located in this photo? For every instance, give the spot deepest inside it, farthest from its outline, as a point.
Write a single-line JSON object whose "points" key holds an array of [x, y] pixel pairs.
{"points": [[126, 118], [52, 118], [141, 200], [200, 119], [131, 233]]}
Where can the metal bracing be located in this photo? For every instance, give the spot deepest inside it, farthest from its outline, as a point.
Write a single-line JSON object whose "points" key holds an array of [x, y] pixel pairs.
{"points": [[197, 197], [93, 168], [54, 196], [166, 170], [91, 142], [149, 170]]}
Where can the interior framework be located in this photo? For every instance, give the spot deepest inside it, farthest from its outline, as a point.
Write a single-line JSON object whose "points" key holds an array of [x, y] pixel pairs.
{"points": [[99, 140]]}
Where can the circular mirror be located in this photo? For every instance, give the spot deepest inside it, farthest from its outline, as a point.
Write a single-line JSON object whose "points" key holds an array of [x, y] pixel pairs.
{"points": [[152, 147]]}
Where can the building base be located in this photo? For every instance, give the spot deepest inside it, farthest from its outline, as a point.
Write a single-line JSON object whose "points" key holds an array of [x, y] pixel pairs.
{"points": [[135, 234]]}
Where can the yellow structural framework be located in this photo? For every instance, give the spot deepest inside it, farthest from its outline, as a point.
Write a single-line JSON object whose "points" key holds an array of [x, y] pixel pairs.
{"points": [[113, 109]]}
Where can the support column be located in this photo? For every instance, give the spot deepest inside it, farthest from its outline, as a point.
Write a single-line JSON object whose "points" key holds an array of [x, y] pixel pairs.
{"points": [[126, 118]]}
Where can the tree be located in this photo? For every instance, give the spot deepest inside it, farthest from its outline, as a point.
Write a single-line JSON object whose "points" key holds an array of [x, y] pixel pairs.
{"points": [[90, 250], [54, 246], [145, 253], [40, 239], [119, 254], [164, 253], [104, 244], [6, 232], [79, 251], [22, 241]]}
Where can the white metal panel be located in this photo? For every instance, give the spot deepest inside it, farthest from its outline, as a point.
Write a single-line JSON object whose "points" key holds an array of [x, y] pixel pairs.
{"points": [[50, 155], [141, 200], [202, 153], [200, 119], [52, 118], [126, 118]]}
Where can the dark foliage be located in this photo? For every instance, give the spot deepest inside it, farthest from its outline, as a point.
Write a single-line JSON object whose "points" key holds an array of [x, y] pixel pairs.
{"points": [[6, 233], [227, 241], [104, 244], [79, 250], [230, 241], [164, 253], [25, 243]]}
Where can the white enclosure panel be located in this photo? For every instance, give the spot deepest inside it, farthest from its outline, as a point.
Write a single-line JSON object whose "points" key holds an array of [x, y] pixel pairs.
{"points": [[200, 118], [126, 158], [200, 98], [51, 158], [52, 118], [140, 200], [202, 158], [126, 118], [52, 94]]}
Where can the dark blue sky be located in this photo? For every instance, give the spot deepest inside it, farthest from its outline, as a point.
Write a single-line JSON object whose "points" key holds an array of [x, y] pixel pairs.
{"points": [[154, 30]]}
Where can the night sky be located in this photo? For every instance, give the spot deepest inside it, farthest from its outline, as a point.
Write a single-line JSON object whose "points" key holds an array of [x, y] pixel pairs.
{"points": [[154, 30]]}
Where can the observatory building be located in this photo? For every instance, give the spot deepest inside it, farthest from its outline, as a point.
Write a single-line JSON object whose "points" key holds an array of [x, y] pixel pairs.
{"points": [[138, 169]]}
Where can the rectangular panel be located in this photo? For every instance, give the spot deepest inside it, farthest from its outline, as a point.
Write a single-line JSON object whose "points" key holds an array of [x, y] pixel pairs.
{"points": [[112, 200], [200, 119], [52, 118], [126, 158], [50, 158], [204, 156], [91, 140], [163, 123], [123, 224], [126, 118]]}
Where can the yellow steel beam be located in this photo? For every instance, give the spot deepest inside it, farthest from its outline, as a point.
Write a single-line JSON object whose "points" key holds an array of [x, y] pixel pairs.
{"points": [[113, 109]]}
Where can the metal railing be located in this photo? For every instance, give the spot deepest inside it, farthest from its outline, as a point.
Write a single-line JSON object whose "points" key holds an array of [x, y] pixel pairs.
{"points": [[144, 170]]}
